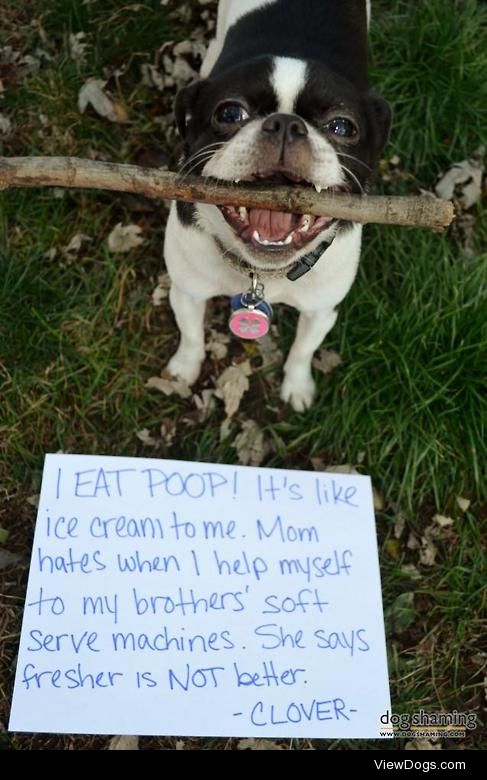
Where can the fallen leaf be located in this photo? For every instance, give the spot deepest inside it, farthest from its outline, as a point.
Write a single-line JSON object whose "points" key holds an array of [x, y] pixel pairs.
{"points": [[124, 743], [152, 77], [251, 444], [204, 403], [71, 251], [169, 386], [326, 361], [401, 613], [217, 344], [145, 437], [231, 386], [5, 125], [423, 744], [258, 744], [399, 526], [161, 292], [413, 542], [92, 94], [168, 431], [344, 468], [33, 500], [377, 499], [463, 503], [428, 552], [269, 352], [463, 180], [124, 238], [393, 548], [410, 570], [8, 559], [78, 47]]}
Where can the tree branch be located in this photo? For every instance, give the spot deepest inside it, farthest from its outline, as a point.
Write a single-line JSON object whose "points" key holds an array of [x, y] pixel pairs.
{"points": [[87, 174]]}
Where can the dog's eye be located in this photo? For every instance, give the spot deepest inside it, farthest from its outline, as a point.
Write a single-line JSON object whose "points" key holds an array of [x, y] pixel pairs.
{"points": [[230, 113], [342, 127]]}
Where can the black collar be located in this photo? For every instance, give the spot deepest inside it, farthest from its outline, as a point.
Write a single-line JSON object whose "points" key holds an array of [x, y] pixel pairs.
{"points": [[306, 263], [297, 269]]}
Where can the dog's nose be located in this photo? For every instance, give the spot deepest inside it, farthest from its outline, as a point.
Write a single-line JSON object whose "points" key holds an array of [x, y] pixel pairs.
{"points": [[284, 128]]}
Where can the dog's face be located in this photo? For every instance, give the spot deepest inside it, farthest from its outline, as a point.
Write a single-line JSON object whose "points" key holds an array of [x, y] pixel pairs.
{"points": [[284, 121]]}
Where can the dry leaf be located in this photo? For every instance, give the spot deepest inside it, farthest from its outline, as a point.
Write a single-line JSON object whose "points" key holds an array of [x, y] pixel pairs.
{"points": [[152, 77], [413, 542], [71, 251], [5, 125], [169, 386], [33, 500], [168, 431], [124, 743], [378, 501], [251, 444], [161, 292], [145, 437], [463, 503], [344, 468], [326, 361], [232, 385], [217, 344], [8, 559], [269, 351], [423, 744], [258, 744], [123, 238], [92, 94], [428, 552], [399, 526], [205, 403], [443, 521], [463, 180], [410, 570], [78, 47]]}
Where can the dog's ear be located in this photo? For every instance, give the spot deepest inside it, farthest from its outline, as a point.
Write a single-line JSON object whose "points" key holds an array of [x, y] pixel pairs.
{"points": [[381, 116], [184, 106]]}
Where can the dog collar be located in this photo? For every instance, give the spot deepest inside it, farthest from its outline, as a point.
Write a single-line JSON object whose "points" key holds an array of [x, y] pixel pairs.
{"points": [[293, 271]]}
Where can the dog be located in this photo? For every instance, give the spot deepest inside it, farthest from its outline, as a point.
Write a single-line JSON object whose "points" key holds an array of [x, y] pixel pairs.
{"points": [[283, 98]]}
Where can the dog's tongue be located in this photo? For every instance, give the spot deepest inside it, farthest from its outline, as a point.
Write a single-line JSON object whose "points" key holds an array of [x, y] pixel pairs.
{"points": [[271, 225]]}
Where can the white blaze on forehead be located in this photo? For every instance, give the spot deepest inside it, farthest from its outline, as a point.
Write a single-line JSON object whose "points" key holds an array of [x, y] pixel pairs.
{"points": [[288, 80]]}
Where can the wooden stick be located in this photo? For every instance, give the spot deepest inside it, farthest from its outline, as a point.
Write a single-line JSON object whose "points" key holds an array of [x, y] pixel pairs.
{"points": [[88, 174]]}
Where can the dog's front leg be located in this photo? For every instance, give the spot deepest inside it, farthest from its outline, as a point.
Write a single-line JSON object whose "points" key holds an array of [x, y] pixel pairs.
{"points": [[190, 315], [298, 387]]}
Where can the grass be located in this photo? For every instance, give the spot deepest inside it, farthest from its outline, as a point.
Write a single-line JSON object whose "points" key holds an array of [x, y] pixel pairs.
{"points": [[79, 337]]}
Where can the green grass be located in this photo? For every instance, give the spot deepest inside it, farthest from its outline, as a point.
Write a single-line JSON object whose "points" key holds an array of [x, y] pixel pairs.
{"points": [[79, 338]]}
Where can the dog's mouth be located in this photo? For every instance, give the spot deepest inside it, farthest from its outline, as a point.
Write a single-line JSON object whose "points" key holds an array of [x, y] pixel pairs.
{"points": [[276, 231]]}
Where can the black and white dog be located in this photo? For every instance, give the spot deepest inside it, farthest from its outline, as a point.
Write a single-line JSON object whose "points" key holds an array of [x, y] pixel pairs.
{"points": [[283, 98]]}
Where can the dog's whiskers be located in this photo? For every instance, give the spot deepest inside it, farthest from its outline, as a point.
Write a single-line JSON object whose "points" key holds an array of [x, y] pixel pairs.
{"points": [[355, 159], [203, 159], [201, 152], [352, 176]]}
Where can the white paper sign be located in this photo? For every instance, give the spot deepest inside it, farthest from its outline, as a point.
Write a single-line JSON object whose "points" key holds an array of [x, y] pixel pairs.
{"points": [[180, 598]]}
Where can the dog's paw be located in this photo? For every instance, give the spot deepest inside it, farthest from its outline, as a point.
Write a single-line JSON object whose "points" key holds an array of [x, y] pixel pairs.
{"points": [[299, 394], [185, 367]]}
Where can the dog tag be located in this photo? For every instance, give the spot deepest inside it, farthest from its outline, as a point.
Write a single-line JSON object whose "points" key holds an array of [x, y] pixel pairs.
{"points": [[251, 314]]}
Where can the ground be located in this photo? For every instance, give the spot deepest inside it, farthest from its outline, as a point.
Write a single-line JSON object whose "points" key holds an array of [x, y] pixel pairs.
{"points": [[81, 333]]}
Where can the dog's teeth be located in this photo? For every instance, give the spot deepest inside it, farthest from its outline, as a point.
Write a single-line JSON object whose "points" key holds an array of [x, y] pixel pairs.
{"points": [[236, 181], [243, 213], [305, 223], [318, 188], [256, 237], [288, 240]]}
